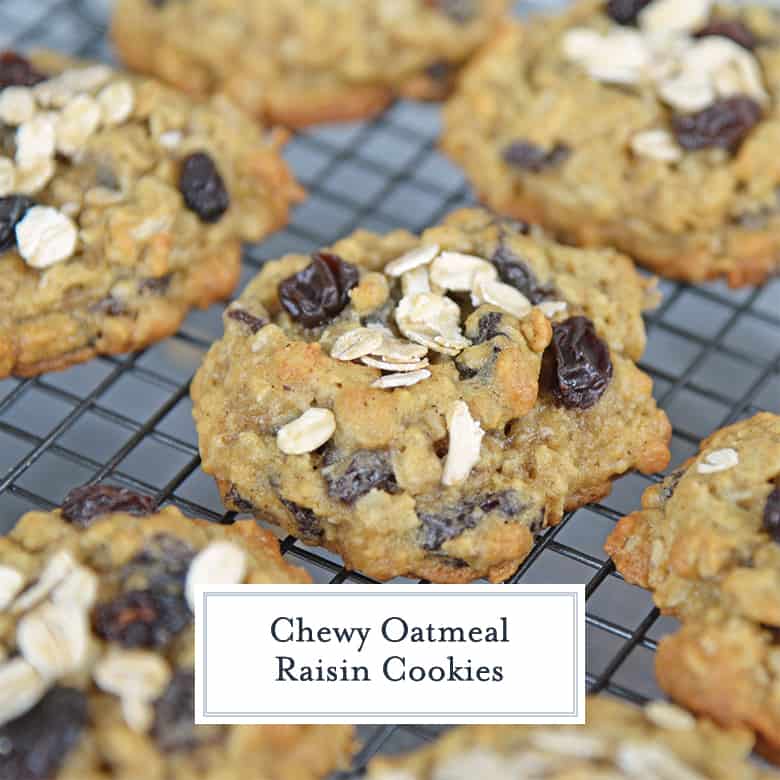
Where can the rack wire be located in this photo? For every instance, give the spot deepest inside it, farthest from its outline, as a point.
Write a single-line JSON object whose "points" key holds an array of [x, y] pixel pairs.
{"points": [[714, 354]]}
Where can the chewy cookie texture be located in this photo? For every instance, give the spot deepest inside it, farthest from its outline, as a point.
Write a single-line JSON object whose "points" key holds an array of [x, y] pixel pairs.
{"points": [[648, 125], [707, 543], [619, 742], [425, 405], [97, 648], [305, 61], [122, 206]]}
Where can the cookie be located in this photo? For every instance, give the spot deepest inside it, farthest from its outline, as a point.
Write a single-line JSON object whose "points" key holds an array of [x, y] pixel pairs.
{"points": [[97, 647], [652, 127], [619, 741], [425, 405], [122, 206], [299, 62], [707, 543]]}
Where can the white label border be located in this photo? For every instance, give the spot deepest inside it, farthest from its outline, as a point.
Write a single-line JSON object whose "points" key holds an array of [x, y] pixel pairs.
{"points": [[575, 717]]}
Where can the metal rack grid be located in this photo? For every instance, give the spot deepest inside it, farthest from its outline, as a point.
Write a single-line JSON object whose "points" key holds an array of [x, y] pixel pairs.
{"points": [[714, 354]]}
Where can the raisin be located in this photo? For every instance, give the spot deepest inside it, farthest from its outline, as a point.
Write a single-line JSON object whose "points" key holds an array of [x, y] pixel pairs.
{"points": [[530, 157], [155, 285], [368, 470], [306, 520], [17, 71], [725, 124], [730, 28], [514, 272], [174, 714], [320, 291], [12, 211], [582, 364], [35, 745], [141, 618], [203, 188], [772, 514], [774, 632], [110, 306], [454, 520], [507, 502], [161, 565], [441, 71], [513, 225], [238, 502], [245, 318], [460, 11], [669, 485], [488, 327], [626, 11], [83, 504]]}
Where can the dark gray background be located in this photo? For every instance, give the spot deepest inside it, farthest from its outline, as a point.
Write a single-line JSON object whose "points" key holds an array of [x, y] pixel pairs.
{"points": [[714, 354]]}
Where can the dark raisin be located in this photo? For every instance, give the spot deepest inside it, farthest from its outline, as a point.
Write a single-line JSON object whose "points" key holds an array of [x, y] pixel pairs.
{"points": [[530, 157], [626, 11], [724, 124], [465, 372], [83, 504], [161, 565], [306, 521], [35, 745], [774, 632], [110, 306], [539, 523], [730, 28], [513, 225], [17, 71], [441, 70], [245, 318], [772, 514], [450, 522], [581, 362], [669, 485], [155, 285], [368, 470], [238, 502], [141, 618], [453, 563], [12, 211], [320, 291], [460, 11], [507, 502], [488, 327], [174, 714], [514, 272], [203, 188]]}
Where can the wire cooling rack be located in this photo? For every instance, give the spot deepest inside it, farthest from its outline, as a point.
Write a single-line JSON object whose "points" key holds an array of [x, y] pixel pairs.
{"points": [[714, 354]]}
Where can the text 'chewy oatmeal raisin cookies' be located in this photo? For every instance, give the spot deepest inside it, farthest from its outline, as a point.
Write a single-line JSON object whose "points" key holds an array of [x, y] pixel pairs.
{"points": [[618, 742], [707, 543], [122, 206], [97, 647], [303, 61], [651, 126], [425, 405]]}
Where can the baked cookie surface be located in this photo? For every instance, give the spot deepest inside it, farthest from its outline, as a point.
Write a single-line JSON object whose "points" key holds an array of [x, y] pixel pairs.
{"points": [[305, 61], [122, 206], [97, 648], [652, 127], [425, 405], [707, 543], [619, 742]]}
